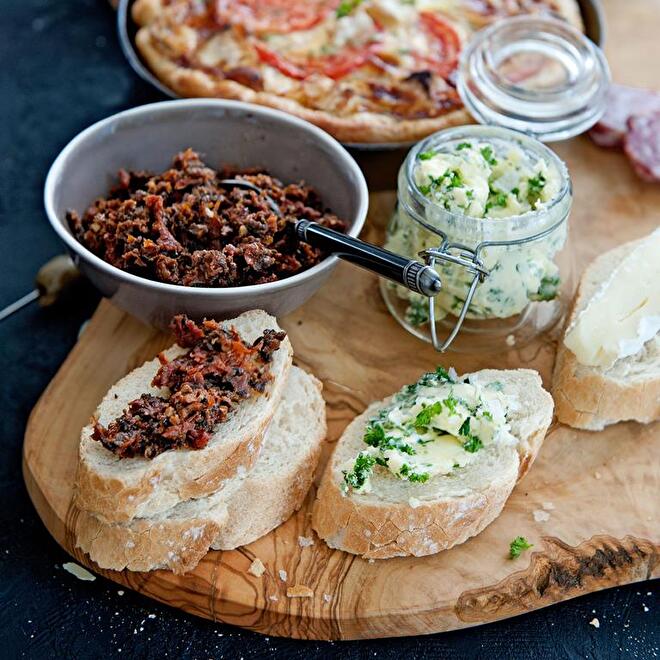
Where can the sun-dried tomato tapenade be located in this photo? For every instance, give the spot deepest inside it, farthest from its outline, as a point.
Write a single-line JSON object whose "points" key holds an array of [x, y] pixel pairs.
{"points": [[184, 227], [206, 383]]}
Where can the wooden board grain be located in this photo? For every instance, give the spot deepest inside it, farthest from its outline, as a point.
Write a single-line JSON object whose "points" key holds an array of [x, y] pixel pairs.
{"points": [[604, 528]]}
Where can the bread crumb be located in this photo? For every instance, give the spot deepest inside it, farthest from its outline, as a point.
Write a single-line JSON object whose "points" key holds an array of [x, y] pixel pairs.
{"points": [[645, 607], [78, 571], [372, 561], [510, 340], [283, 575], [305, 541], [151, 616], [541, 516], [257, 568], [594, 622], [327, 598], [548, 506], [299, 591], [120, 592], [597, 475], [273, 598]]}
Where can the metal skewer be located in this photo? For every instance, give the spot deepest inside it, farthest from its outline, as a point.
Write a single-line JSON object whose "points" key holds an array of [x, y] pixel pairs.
{"points": [[53, 279]]}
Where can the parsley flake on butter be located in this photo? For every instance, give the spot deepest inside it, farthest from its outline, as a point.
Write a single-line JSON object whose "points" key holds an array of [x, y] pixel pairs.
{"points": [[518, 545]]}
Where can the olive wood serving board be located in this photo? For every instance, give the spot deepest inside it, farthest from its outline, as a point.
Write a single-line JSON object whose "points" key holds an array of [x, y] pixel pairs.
{"points": [[604, 529]]}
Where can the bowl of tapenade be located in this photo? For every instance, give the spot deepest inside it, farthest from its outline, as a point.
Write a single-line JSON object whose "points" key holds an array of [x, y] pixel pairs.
{"points": [[190, 207]]}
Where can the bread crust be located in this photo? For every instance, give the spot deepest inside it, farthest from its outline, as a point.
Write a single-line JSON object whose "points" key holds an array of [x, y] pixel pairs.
{"points": [[111, 500], [586, 398], [253, 506], [367, 128], [363, 127], [384, 531], [120, 497]]}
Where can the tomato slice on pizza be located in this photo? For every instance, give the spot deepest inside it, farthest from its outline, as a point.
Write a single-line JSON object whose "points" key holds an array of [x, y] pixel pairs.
{"points": [[273, 16]]}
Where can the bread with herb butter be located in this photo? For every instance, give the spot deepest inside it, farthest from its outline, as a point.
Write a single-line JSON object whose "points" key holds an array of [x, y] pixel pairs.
{"points": [[250, 505], [592, 397], [119, 489], [398, 517]]}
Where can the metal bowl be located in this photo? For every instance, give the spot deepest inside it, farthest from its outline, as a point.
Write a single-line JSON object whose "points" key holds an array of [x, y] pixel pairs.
{"points": [[592, 16], [226, 132]]}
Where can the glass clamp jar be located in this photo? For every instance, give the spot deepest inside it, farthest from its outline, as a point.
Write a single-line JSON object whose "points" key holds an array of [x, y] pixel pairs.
{"points": [[506, 273]]}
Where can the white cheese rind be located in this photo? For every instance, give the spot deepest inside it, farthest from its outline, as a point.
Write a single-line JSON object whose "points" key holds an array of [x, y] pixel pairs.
{"points": [[625, 312]]}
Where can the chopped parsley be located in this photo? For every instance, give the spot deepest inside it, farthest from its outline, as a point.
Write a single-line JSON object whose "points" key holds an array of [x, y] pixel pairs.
{"points": [[418, 312], [445, 182], [487, 153], [548, 289], [362, 469], [375, 437], [535, 185], [495, 198], [346, 7], [450, 403], [518, 545], [463, 145], [472, 443], [424, 417], [417, 477], [443, 375], [426, 155]]}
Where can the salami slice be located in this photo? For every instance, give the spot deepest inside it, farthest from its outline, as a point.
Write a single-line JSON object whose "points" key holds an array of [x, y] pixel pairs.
{"points": [[642, 145], [622, 103]]}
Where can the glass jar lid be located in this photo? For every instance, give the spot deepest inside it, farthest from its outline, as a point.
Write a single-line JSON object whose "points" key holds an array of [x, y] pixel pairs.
{"points": [[539, 76]]}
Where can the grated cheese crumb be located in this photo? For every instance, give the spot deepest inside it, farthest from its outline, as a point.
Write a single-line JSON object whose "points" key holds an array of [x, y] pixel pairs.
{"points": [[79, 572], [283, 575], [257, 568], [299, 591], [594, 622], [327, 598], [305, 541], [541, 516]]}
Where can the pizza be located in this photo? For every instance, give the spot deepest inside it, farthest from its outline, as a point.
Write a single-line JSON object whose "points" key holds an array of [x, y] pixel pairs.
{"points": [[367, 71]]}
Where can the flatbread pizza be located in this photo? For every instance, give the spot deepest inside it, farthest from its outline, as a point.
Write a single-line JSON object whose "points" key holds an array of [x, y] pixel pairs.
{"points": [[367, 71]]}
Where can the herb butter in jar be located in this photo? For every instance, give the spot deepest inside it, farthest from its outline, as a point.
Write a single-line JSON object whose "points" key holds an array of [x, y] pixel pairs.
{"points": [[499, 199]]}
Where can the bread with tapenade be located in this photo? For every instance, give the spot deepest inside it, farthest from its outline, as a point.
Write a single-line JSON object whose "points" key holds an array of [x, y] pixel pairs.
{"points": [[397, 517], [248, 506], [119, 489]]}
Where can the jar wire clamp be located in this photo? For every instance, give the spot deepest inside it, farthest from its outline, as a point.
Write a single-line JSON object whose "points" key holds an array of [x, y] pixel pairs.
{"points": [[468, 258]]}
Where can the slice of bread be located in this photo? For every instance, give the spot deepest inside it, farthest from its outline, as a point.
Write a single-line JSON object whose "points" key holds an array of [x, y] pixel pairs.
{"points": [[399, 518], [248, 506], [119, 489], [592, 397]]}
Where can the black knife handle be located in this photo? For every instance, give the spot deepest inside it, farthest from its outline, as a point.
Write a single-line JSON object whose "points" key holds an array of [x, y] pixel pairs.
{"points": [[412, 274]]}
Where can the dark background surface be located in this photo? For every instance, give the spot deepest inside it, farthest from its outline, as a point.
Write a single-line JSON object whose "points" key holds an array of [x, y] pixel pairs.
{"points": [[61, 70]]}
